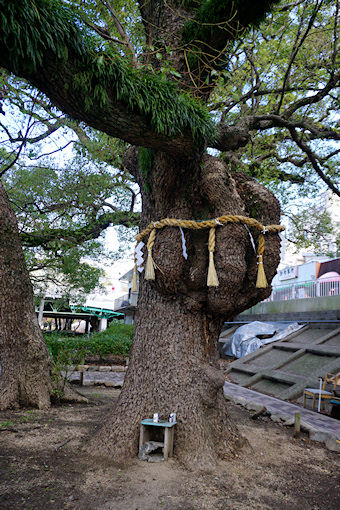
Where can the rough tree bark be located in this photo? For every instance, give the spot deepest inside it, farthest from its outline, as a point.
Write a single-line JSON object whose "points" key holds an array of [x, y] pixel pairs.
{"points": [[174, 366], [24, 355]]}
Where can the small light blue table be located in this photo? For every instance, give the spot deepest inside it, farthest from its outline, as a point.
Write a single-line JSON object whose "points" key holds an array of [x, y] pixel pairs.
{"points": [[168, 429]]}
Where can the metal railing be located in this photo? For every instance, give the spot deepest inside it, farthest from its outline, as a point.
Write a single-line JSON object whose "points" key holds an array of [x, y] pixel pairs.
{"points": [[304, 290]]}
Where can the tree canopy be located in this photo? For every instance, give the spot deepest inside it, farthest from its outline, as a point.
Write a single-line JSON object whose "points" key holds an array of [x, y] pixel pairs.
{"points": [[272, 87]]}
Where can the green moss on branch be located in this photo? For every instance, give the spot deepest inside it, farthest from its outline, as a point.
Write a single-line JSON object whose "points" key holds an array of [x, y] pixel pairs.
{"points": [[30, 31], [218, 21]]}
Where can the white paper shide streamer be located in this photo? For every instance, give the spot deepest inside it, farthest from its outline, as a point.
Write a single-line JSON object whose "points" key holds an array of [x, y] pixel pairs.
{"points": [[251, 238], [184, 248], [139, 256]]}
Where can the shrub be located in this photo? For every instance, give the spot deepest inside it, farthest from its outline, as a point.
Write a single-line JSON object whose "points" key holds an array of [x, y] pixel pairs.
{"points": [[116, 340]]}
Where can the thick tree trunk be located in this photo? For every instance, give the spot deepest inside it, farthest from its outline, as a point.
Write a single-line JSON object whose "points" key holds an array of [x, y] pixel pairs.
{"points": [[171, 371], [24, 377], [173, 367]]}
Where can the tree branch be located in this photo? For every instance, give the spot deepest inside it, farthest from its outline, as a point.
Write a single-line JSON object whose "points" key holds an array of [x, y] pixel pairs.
{"points": [[86, 233], [297, 46], [51, 128], [334, 82], [121, 31], [248, 94], [313, 159], [22, 145], [105, 35]]}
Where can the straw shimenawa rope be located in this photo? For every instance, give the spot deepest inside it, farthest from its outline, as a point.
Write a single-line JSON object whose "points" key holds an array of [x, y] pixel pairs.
{"points": [[212, 280]]}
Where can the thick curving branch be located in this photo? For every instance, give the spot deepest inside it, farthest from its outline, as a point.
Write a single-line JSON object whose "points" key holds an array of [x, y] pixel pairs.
{"points": [[86, 233]]}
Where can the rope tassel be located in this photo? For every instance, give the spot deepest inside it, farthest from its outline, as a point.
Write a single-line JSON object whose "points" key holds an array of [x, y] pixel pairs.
{"points": [[212, 280], [150, 265], [261, 282]]}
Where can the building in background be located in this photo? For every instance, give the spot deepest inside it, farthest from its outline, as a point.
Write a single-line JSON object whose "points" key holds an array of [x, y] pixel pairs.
{"points": [[94, 314], [127, 304]]}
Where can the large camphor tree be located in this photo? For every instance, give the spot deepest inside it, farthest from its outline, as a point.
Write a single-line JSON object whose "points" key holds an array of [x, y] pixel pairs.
{"points": [[151, 84]]}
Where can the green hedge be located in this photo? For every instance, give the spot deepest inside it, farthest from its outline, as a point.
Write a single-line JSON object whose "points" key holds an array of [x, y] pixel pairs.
{"points": [[116, 340]]}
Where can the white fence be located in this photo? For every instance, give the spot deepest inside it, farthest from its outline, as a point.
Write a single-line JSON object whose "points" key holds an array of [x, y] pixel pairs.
{"points": [[305, 290]]}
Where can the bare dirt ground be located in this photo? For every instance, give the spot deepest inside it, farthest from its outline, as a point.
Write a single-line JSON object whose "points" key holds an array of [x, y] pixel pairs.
{"points": [[274, 471]]}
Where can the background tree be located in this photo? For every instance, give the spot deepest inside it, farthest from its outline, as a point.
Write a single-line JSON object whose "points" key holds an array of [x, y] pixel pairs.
{"points": [[314, 229], [152, 87], [283, 84], [63, 206], [63, 201]]}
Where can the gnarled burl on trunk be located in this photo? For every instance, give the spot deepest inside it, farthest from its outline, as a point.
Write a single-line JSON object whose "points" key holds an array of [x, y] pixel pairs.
{"points": [[174, 361]]}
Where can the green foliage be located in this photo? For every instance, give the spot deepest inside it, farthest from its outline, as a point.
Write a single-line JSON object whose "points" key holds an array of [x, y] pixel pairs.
{"points": [[68, 211], [48, 26], [8, 423], [127, 11], [232, 17], [287, 45], [314, 229], [116, 340], [63, 358], [212, 12], [146, 157]]}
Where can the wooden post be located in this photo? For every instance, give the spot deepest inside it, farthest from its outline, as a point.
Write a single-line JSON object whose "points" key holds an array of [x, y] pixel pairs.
{"points": [[167, 442], [297, 424], [259, 413], [144, 435]]}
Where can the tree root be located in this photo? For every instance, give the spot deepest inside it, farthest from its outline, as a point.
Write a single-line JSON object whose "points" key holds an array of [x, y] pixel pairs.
{"points": [[71, 396]]}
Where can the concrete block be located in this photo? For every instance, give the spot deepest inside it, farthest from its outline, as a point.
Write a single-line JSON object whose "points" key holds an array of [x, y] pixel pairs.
{"points": [[285, 417], [93, 368], [110, 384], [333, 444], [320, 437], [118, 368], [104, 369], [307, 427], [83, 368], [253, 406], [241, 401], [276, 418]]}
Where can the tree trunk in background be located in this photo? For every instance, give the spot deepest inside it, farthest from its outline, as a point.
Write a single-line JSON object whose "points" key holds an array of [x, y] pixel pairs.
{"points": [[24, 379], [174, 360]]}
